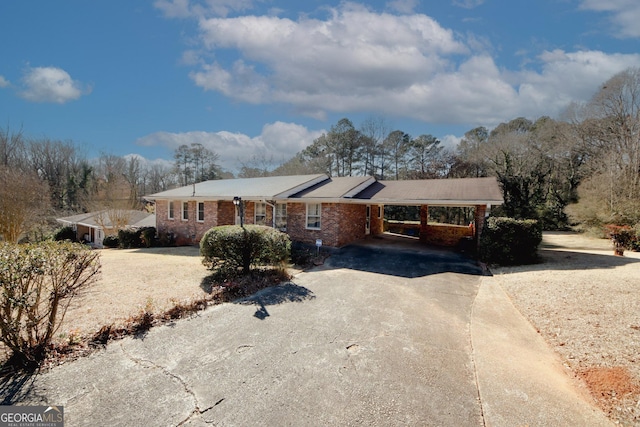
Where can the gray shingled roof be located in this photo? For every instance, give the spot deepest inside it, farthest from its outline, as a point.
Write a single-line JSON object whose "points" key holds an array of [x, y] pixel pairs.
{"points": [[336, 188], [455, 191], [352, 189], [262, 188]]}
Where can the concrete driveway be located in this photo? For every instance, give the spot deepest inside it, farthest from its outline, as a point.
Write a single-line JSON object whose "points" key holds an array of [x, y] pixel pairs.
{"points": [[376, 336]]}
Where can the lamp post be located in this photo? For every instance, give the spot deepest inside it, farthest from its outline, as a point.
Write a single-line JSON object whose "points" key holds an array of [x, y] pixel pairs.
{"points": [[239, 205]]}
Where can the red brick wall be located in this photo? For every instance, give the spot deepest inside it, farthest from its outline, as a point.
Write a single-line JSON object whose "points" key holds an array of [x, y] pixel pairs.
{"points": [[446, 234], [377, 224], [226, 213], [351, 222], [185, 230], [341, 224]]}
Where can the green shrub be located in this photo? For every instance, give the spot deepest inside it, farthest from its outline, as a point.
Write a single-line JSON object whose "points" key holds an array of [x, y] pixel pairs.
{"points": [[111, 241], [38, 282], [129, 239], [231, 247], [65, 233], [507, 241]]}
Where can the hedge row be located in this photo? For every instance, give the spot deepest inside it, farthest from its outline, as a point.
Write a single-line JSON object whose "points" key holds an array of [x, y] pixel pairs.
{"points": [[507, 241]]}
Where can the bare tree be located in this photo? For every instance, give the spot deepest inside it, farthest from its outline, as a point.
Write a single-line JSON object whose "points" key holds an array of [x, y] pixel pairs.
{"points": [[11, 146], [610, 128], [23, 202], [374, 130]]}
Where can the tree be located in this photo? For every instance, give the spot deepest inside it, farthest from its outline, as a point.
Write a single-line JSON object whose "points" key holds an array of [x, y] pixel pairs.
{"points": [[195, 163], [424, 153], [397, 144], [373, 130], [610, 128], [11, 146], [343, 142], [65, 171], [23, 202], [470, 159]]}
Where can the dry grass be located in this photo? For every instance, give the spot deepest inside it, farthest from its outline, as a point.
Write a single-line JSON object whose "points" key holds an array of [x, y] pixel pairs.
{"points": [[585, 302]]}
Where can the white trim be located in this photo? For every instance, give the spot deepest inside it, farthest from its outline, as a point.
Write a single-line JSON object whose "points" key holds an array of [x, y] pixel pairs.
{"points": [[255, 213], [171, 210], [184, 211], [198, 211], [319, 216], [276, 216]]}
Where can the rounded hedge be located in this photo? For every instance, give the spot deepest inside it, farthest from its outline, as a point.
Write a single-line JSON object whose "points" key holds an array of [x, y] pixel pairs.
{"points": [[111, 241], [241, 247], [508, 241]]}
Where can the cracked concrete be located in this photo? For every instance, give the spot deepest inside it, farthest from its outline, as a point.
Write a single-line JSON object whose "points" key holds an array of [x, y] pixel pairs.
{"points": [[352, 346]]}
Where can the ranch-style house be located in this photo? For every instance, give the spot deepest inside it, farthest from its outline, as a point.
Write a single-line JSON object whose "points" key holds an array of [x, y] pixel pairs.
{"points": [[309, 208]]}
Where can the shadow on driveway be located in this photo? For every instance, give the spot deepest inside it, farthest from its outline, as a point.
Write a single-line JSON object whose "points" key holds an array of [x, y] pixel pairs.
{"points": [[397, 256], [288, 292]]}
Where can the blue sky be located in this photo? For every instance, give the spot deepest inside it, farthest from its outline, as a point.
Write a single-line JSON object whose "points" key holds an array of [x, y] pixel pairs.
{"points": [[247, 77]]}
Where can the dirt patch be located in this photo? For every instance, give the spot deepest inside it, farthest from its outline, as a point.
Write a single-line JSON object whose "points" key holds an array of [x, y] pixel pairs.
{"points": [[609, 383], [584, 301]]}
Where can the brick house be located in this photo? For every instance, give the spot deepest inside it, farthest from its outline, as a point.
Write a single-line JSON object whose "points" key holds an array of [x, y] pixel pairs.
{"points": [[309, 207]]}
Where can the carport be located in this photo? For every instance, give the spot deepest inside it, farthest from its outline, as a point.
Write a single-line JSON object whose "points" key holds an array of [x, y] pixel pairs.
{"points": [[479, 193]]}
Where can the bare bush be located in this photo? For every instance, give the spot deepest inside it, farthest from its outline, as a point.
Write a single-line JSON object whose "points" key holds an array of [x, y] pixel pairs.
{"points": [[38, 282]]}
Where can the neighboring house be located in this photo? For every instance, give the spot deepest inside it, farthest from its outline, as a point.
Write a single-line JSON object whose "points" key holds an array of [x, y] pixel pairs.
{"points": [[93, 226], [337, 211]]}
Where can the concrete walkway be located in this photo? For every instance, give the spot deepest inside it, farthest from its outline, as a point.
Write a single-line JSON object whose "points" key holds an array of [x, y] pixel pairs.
{"points": [[521, 381], [354, 342]]}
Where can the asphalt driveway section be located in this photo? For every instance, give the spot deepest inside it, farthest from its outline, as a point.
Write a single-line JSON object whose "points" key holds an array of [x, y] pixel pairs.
{"points": [[401, 256], [336, 346]]}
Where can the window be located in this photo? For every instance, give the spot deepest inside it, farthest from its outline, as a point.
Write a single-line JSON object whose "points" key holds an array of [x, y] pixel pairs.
{"points": [[261, 214], [379, 211], [281, 216], [201, 211], [313, 215], [170, 210], [185, 211]]}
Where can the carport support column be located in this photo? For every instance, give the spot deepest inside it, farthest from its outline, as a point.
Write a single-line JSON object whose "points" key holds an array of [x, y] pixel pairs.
{"points": [[481, 213], [424, 219]]}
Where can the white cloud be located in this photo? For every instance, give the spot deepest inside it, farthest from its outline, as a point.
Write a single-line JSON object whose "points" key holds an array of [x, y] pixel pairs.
{"points": [[313, 63], [624, 15], [51, 84], [201, 8], [450, 142], [278, 140], [358, 60], [403, 6], [4, 82], [467, 4]]}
